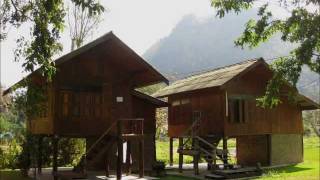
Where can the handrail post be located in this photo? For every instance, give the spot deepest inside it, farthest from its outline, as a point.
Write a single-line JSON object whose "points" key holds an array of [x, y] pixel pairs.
{"points": [[84, 170], [55, 143], [141, 157], [195, 144], [225, 150], [180, 154], [120, 150], [214, 158], [171, 151]]}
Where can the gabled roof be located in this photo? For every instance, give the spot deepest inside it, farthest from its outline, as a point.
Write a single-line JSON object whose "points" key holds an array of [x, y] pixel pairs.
{"points": [[306, 103], [150, 99], [219, 77], [107, 44], [213, 78]]}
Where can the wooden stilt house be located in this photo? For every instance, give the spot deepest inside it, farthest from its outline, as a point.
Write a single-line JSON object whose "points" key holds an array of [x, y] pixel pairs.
{"points": [[220, 104], [93, 96]]}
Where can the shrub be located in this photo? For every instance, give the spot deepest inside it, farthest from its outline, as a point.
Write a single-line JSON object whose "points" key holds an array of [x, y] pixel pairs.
{"points": [[8, 156], [2, 160], [159, 168], [12, 154]]}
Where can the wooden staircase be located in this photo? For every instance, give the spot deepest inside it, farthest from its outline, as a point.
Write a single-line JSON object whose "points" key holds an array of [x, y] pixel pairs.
{"points": [[248, 172], [97, 153], [204, 147], [96, 150], [127, 130], [192, 144]]}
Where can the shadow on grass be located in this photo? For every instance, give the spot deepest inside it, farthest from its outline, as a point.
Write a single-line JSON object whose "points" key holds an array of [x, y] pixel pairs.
{"points": [[175, 177], [12, 175], [288, 169]]}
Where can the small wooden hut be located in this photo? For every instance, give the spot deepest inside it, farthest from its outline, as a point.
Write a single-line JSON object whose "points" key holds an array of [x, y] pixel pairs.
{"points": [[220, 104], [93, 96]]}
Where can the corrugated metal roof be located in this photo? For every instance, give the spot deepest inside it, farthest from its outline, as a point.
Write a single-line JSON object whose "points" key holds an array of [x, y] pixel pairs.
{"points": [[212, 78]]}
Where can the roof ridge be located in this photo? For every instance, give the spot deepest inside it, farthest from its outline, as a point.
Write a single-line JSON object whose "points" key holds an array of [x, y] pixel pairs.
{"points": [[215, 69], [221, 67]]}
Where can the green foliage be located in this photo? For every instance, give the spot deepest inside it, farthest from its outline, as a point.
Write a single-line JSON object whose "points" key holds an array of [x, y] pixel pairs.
{"points": [[163, 152], [47, 19], [302, 27], [24, 160], [12, 175], [161, 123], [311, 119], [4, 124], [2, 159], [286, 73], [11, 154], [159, 168], [11, 126], [69, 154], [21, 151], [31, 102], [227, 6], [71, 151]]}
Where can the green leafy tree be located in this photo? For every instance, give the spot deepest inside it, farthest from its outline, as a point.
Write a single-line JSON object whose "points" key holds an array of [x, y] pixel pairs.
{"points": [[301, 27], [46, 18]]}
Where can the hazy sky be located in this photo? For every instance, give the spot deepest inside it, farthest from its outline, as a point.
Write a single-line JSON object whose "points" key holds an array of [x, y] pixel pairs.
{"points": [[138, 23]]}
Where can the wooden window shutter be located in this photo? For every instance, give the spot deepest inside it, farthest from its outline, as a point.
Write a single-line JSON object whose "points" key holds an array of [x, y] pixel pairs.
{"points": [[231, 111], [98, 102], [76, 104], [240, 111], [65, 104], [246, 111]]}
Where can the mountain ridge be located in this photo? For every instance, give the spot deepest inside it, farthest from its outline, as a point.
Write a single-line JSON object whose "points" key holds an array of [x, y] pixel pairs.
{"points": [[196, 45]]}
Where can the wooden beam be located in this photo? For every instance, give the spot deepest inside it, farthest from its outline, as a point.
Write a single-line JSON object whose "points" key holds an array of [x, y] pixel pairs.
{"points": [[171, 151], [225, 149], [55, 141], [180, 154], [120, 150], [128, 158], [40, 139], [141, 158], [195, 143], [107, 169]]}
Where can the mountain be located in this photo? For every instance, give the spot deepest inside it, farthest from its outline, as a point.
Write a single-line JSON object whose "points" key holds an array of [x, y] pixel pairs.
{"points": [[196, 44], [200, 44]]}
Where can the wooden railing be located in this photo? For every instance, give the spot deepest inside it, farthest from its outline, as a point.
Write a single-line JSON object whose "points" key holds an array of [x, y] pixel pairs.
{"points": [[101, 137], [125, 127], [126, 130], [130, 126]]}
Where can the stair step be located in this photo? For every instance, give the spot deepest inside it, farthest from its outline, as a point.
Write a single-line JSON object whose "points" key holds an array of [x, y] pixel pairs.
{"points": [[238, 173], [188, 152], [214, 176], [101, 147]]}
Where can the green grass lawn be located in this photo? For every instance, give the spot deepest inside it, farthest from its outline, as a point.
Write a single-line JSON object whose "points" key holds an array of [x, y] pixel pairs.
{"points": [[12, 175], [308, 170]]}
